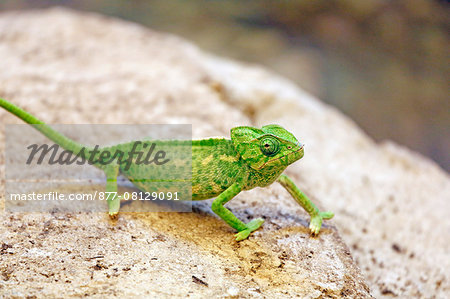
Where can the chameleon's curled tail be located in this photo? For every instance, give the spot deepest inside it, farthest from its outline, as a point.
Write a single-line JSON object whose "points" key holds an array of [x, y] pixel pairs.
{"points": [[45, 129]]}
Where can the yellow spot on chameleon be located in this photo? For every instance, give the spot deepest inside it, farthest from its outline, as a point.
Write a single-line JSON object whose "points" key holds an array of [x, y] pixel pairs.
{"points": [[196, 189], [229, 158], [207, 160], [215, 187]]}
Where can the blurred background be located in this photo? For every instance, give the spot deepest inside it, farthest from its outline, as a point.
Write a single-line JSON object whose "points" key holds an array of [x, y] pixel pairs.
{"points": [[383, 63]]}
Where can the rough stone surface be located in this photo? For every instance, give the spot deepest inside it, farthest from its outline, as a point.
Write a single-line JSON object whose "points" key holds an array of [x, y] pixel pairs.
{"points": [[390, 203]]}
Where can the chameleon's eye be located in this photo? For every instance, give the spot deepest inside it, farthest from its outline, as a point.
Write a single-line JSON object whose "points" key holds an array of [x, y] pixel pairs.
{"points": [[270, 146]]}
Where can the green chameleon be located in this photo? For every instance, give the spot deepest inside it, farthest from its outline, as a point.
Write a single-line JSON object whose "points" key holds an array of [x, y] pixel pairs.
{"points": [[221, 168]]}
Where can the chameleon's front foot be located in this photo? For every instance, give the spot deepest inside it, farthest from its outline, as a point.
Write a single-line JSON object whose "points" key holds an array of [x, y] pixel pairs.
{"points": [[251, 227], [316, 221]]}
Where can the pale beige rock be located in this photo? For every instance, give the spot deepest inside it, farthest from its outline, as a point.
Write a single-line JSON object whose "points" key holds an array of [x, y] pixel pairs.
{"points": [[69, 67], [72, 68], [391, 204]]}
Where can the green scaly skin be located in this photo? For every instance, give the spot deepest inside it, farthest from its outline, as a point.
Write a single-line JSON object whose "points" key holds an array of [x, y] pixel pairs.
{"points": [[221, 168]]}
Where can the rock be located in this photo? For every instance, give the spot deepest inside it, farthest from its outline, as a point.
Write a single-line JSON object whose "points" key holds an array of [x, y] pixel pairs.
{"points": [[69, 67]]}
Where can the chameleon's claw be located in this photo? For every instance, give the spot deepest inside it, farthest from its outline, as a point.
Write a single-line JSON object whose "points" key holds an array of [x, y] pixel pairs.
{"points": [[316, 221], [114, 216], [327, 215], [114, 206], [242, 235], [251, 226]]}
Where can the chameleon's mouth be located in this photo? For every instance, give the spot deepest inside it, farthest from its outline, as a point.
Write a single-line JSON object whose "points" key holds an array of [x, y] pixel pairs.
{"points": [[262, 166]]}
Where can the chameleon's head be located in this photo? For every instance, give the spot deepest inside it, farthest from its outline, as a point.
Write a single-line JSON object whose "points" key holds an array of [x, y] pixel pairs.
{"points": [[268, 148]]}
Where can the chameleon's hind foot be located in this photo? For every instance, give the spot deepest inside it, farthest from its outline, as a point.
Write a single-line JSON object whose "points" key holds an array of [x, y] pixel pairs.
{"points": [[316, 221], [251, 226], [113, 207], [113, 216]]}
